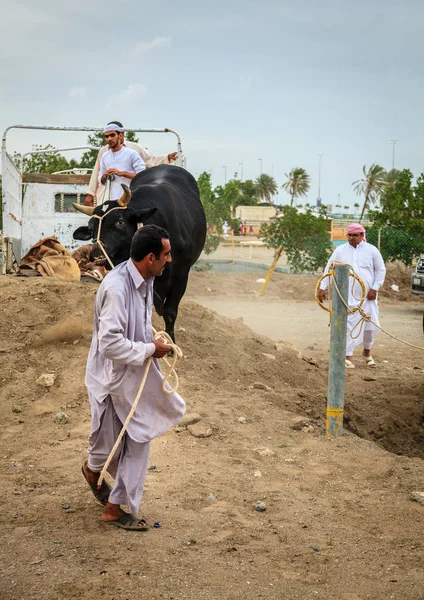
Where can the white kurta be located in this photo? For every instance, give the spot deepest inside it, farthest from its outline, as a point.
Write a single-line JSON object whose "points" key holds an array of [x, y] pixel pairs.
{"points": [[369, 266], [123, 160], [151, 160], [121, 344]]}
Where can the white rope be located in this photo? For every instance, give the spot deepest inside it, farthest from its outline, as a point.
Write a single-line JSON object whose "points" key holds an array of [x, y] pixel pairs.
{"points": [[177, 353]]}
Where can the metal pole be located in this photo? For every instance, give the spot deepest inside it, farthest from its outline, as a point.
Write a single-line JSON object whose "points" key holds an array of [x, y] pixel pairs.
{"points": [[225, 173], [336, 371], [394, 142], [319, 176], [260, 162], [241, 171]]}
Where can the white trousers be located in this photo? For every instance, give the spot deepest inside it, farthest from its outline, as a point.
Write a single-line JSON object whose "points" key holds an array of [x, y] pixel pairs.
{"points": [[367, 333], [129, 464]]}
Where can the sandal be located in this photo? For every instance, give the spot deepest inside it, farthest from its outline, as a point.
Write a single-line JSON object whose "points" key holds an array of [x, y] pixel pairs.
{"points": [[129, 522], [349, 364], [369, 361], [101, 494]]}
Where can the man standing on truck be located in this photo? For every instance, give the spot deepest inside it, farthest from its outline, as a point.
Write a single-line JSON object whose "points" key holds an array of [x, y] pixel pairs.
{"points": [[368, 264], [119, 164], [95, 190]]}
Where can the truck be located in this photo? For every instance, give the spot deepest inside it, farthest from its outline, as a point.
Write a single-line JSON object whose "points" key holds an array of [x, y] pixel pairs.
{"points": [[39, 205]]}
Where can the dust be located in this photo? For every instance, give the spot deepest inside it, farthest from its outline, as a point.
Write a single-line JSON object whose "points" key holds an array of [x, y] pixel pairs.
{"points": [[70, 329]]}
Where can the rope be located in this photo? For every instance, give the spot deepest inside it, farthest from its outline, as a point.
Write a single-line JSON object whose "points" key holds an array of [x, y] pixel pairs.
{"points": [[350, 311], [177, 353]]}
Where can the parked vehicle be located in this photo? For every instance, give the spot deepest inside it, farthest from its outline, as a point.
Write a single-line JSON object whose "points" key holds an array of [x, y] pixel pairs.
{"points": [[417, 278]]}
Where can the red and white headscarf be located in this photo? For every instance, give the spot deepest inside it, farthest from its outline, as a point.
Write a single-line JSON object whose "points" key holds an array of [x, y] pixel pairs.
{"points": [[356, 228]]}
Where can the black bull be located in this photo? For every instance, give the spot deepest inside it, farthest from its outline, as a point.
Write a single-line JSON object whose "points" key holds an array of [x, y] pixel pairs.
{"points": [[167, 196]]}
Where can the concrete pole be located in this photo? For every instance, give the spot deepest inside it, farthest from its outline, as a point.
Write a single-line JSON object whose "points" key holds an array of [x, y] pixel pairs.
{"points": [[336, 372]]}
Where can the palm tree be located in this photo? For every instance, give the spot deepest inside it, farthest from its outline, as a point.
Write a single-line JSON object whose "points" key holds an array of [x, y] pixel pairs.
{"points": [[266, 187], [298, 183], [371, 185], [356, 206], [392, 176]]}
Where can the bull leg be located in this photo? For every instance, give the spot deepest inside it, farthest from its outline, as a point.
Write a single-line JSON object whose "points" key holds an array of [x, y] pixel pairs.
{"points": [[172, 302]]}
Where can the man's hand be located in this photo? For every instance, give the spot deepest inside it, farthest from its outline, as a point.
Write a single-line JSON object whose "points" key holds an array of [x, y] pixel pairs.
{"points": [[321, 295], [172, 156], [161, 349], [89, 200], [372, 295], [112, 172]]}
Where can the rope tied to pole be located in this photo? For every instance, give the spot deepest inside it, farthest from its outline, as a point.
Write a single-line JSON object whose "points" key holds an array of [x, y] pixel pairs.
{"points": [[177, 353], [350, 311]]}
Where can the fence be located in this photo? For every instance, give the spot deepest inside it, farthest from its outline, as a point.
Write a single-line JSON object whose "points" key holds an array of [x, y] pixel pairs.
{"points": [[396, 244]]}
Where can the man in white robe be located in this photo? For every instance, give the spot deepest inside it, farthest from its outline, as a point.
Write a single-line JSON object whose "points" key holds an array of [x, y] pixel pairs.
{"points": [[368, 263], [121, 344], [96, 189], [119, 164]]}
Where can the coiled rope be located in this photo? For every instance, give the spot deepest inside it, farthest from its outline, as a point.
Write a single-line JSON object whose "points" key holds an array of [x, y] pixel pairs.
{"points": [[177, 353], [350, 311]]}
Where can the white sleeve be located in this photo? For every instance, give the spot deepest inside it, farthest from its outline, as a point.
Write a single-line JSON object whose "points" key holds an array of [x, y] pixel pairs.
{"points": [[102, 169], [379, 270], [137, 163], [150, 159], [92, 186], [324, 283], [112, 342]]}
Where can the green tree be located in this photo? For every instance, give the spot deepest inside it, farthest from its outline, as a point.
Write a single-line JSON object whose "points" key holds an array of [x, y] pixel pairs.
{"points": [[207, 198], [401, 219], [402, 204], [298, 183], [392, 176], [304, 237], [266, 187], [44, 162], [248, 193], [371, 185]]}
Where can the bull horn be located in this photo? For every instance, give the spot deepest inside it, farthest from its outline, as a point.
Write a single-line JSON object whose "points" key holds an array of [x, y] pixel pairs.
{"points": [[87, 210], [126, 196]]}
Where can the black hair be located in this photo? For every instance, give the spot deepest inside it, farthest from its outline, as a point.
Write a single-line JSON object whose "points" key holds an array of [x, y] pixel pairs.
{"points": [[147, 239], [115, 123]]}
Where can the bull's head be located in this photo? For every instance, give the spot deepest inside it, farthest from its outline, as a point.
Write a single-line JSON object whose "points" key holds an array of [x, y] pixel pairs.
{"points": [[117, 226]]}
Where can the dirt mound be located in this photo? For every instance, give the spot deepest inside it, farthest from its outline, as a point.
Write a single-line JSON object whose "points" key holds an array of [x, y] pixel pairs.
{"points": [[265, 408]]}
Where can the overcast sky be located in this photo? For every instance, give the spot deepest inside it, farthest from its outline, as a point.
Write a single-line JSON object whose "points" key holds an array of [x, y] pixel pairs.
{"points": [[281, 80]]}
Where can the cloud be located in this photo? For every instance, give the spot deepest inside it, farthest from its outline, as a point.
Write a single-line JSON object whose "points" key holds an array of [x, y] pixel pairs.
{"points": [[144, 48], [77, 92], [134, 92]]}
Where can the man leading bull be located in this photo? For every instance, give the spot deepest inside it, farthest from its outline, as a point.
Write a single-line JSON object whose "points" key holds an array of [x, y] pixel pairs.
{"points": [[368, 264], [121, 345]]}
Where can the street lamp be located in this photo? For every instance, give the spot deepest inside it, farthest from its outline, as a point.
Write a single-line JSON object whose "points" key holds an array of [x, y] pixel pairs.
{"points": [[241, 171], [260, 161], [319, 176], [394, 142], [225, 173]]}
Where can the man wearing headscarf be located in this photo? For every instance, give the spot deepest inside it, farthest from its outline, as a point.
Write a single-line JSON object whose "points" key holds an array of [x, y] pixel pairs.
{"points": [[95, 190], [119, 164], [368, 264]]}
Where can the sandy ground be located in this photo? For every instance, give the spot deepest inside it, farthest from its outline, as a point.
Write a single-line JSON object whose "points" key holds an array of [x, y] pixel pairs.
{"points": [[339, 520]]}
